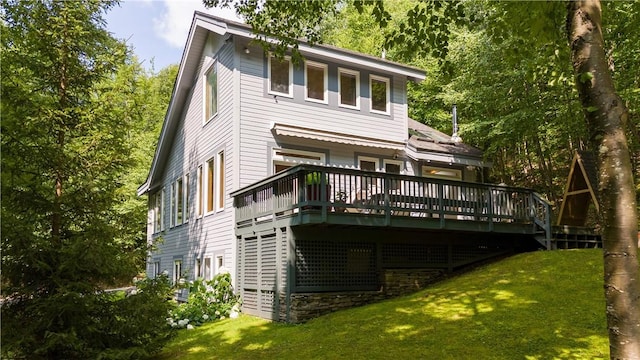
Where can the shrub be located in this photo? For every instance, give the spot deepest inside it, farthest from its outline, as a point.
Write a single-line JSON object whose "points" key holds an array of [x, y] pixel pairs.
{"points": [[207, 301]]}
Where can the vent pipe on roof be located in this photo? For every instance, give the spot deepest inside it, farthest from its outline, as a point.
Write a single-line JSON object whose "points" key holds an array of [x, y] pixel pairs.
{"points": [[454, 137]]}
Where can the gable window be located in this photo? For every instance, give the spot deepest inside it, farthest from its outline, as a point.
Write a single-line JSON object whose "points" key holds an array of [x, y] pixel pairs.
{"points": [[199, 191], [316, 82], [280, 76], [211, 92], [379, 92], [349, 88], [220, 187]]}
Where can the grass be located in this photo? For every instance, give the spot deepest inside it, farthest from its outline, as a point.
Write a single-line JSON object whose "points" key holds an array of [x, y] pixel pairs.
{"points": [[541, 305]]}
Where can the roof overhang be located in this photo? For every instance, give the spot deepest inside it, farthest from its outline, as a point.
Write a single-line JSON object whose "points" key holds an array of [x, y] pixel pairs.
{"points": [[283, 130], [452, 159]]}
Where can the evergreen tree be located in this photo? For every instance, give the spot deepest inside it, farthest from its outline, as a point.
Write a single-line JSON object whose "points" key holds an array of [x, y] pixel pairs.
{"points": [[65, 152]]}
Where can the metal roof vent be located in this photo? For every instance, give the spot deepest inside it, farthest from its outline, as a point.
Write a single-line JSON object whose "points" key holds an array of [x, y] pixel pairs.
{"points": [[455, 137]]}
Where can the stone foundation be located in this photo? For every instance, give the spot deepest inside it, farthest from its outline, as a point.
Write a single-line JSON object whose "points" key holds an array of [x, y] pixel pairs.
{"points": [[306, 306]]}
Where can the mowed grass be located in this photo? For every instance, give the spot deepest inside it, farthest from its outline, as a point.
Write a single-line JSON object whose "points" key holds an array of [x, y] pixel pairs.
{"points": [[542, 305]]}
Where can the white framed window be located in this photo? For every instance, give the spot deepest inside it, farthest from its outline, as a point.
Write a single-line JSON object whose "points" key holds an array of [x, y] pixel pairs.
{"points": [[393, 166], [199, 184], [286, 158], [162, 212], [177, 271], [280, 76], [379, 93], [441, 173], [210, 92], [210, 186], [155, 268], [219, 263], [220, 183], [368, 163], [315, 82], [158, 211], [197, 273], [185, 196], [349, 88], [172, 206], [179, 201], [206, 271]]}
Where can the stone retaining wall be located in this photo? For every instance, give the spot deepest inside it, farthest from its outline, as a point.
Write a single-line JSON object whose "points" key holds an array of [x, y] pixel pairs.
{"points": [[306, 306]]}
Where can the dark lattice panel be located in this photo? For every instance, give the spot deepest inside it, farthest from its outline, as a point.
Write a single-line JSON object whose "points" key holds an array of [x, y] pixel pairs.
{"points": [[251, 262], [463, 253], [268, 261], [240, 260], [413, 255], [329, 265]]}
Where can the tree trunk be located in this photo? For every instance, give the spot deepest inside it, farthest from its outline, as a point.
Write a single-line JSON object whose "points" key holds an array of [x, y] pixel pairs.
{"points": [[606, 116]]}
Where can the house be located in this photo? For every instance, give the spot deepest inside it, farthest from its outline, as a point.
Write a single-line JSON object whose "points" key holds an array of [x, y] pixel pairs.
{"points": [[310, 183]]}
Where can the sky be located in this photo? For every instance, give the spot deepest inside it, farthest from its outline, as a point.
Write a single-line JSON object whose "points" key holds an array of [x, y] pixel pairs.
{"points": [[157, 29]]}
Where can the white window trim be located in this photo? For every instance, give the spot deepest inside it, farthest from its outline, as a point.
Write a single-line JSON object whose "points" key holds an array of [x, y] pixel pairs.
{"points": [[282, 156], [155, 268], [394, 162], [357, 75], [219, 263], [212, 67], [185, 198], [207, 274], [176, 201], [199, 192], [388, 89], [325, 82], [209, 162], [172, 206], [271, 92], [219, 188], [162, 210], [177, 264], [371, 159]]}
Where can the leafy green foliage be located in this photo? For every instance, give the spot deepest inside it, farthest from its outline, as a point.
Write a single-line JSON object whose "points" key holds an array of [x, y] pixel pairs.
{"points": [[207, 301], [68, 228]]}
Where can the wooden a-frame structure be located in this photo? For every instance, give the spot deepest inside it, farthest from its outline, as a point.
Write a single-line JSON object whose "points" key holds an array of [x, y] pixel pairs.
{"points": [[580, 190]]}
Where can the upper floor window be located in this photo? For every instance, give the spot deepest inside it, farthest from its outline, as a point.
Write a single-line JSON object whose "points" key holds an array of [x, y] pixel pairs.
{"points": [[199, 191], [316, 82], [349, 88], [280, 76], [158, 199], [379, 92], [215, 184], [211, 92]]}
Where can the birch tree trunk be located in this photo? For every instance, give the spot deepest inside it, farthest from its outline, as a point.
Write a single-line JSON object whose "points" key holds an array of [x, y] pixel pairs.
{"points": [[606, 117]]}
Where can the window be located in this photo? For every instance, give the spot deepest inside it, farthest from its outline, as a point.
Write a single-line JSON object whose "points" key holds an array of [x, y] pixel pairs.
{"points": [[349, 88], [198, 269], [316, 82], [161, 214], [368, 164], [286, 158], [280, 76], [199, 191], [155, 270], [210, 185], [172, 206], [186, 198], [157, 203], [393, 167], [207, 268], [179, 201], [177, 271], [211, 92], [220, 187], [219, 263], [379, 92]]}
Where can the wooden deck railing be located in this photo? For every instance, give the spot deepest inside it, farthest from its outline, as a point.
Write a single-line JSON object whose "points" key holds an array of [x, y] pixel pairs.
{"points": [[337, 190]]}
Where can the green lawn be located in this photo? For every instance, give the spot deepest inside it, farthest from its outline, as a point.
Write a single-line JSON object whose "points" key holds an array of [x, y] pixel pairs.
{"points": [[542, 305]]}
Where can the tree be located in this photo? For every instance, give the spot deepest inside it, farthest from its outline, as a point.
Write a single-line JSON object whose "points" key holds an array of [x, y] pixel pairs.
{"points": [[607, 117], [426, 29], [65, 153]]}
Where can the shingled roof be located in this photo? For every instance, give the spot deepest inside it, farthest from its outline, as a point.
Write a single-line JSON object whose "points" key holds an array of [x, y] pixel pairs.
{"points": [[425, 138]]}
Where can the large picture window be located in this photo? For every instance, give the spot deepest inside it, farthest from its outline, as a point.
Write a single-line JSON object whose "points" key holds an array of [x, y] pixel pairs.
{"points": [[379, 92], [349, 88], [316, 82], [211, 93], [280, 76]]}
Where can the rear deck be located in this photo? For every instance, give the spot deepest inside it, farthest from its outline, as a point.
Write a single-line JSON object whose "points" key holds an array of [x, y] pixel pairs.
{"points": [[313, 239]]}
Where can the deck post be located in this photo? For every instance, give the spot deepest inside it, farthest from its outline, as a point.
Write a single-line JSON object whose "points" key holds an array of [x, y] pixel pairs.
{"points": [[490, 208]]}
